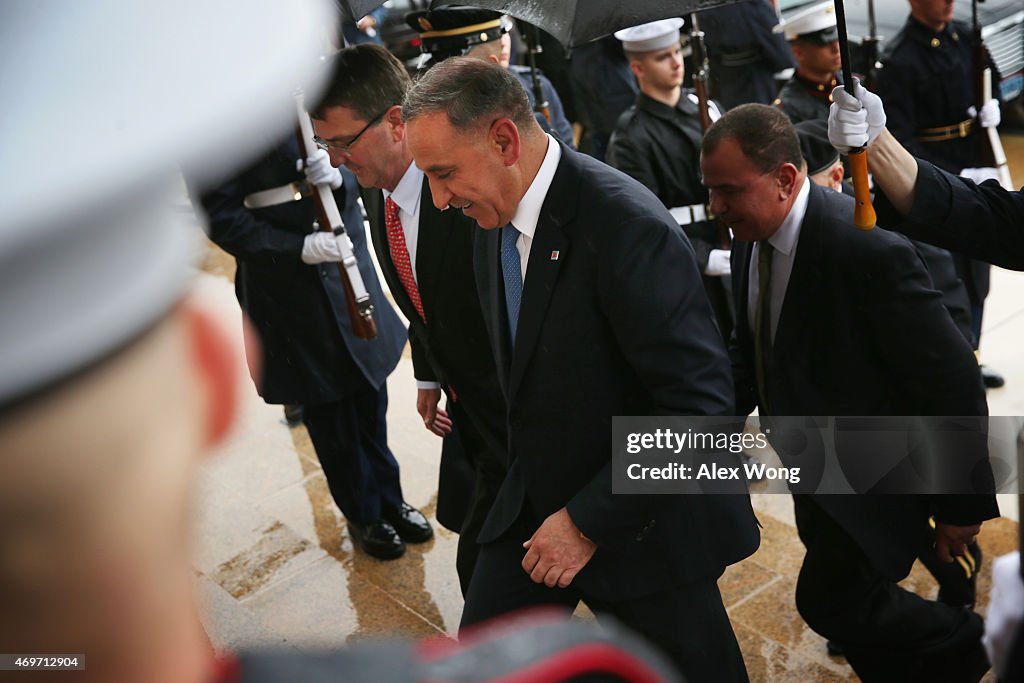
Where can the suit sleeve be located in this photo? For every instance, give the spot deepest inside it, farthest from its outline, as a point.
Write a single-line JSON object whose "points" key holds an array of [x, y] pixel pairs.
{"points": [[238, 231], [652, 296], [984, 221], [421, 366], [928, 357]]}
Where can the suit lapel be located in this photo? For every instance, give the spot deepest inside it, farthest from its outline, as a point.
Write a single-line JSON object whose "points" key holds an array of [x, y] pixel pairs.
{"points": [[379, 232], [547, 254], [796, 305], [434, 235]]}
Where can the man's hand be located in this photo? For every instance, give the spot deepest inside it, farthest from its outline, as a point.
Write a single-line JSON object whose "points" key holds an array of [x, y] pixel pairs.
{"points": [[952, 541], [321, 247], [718, 263], [319, 171], [434, 419], [557, 551], [989, 117], [855, 118]]}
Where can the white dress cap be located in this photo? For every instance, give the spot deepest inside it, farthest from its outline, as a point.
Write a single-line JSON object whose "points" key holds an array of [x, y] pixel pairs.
{"points": [[654, 35], [103, 101], [817, 22]]}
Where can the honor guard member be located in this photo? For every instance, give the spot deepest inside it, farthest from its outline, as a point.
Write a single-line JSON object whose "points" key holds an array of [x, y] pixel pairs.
{"points": [[814, 40], [288, 284], [657, 141], [458, 30], [744, 52], [926, 83]]}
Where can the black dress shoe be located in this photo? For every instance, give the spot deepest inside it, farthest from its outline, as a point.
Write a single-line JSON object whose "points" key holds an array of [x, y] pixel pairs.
{"points": [[292, 415], [990, 378], [378, 539], [409, 522]]}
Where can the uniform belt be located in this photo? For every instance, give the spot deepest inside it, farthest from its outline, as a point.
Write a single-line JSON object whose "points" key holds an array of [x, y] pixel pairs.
{"points": [[684, 215], [292, 192], [741, 58], [942, 133]]}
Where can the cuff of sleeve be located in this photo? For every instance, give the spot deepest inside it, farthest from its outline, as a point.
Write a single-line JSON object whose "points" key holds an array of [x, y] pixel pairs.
{"points": [[420, 384], [933, 197]]}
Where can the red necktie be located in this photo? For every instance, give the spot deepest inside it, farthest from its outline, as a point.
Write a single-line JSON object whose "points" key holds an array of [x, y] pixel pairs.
{"points": [[400, 254]]}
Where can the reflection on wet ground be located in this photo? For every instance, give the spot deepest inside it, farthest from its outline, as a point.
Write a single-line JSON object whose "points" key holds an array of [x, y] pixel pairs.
{"points": [[275, 566]]}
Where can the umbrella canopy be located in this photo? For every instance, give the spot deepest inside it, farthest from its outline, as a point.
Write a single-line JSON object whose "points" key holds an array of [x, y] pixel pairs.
{"points": [[575, 22], [357, 9]]}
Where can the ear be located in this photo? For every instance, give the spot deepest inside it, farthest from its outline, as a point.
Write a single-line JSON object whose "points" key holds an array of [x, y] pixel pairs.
{"points": [[838, 173], [637, 68], [504, 135], [494, 59], [397, 126], [216, 367], [787, 177]]}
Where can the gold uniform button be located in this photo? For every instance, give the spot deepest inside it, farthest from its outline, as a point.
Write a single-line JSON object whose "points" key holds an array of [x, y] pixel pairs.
{"points": [[821, 88], [935, 42]]}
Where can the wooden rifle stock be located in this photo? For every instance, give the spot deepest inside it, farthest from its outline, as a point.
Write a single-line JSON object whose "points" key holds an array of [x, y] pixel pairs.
{"points": [[533, 49], [701, 73], [361, 317]]}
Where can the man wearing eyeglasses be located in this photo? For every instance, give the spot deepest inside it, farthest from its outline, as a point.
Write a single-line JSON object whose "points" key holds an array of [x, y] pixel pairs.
{"points": [[289, 285], [426, 257]]}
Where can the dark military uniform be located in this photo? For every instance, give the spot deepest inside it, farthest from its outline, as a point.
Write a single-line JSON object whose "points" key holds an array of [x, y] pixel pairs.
{"points": [[926, 84], [604, 87], [744, 52], [660, 146], [801, 99], [559, 125]]}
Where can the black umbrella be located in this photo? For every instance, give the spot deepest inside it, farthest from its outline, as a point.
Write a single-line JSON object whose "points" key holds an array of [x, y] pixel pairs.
{"points": [[357, 9], [575, 22]]}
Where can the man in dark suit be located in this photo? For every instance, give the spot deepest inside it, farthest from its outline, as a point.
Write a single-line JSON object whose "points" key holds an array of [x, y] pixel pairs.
{"points": [[836, 321], [593, 301], [288, 284], [426, 257]]}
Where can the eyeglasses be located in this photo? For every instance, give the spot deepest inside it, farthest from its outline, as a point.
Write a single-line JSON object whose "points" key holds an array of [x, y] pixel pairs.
{"points": [[344, 149]]}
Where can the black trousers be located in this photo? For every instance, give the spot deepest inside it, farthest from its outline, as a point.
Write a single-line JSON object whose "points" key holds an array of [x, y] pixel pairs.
{"points": [[888, 633], [688, 623], [350, 437]]}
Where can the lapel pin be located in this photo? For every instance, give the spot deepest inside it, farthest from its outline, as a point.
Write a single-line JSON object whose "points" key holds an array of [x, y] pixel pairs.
{"points": [[554, 255]]}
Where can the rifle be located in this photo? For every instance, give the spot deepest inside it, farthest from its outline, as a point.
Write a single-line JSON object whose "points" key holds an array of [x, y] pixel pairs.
{"points": [[871, 49], [533, 49], [979, 65], [360, 310], [701, 73]]}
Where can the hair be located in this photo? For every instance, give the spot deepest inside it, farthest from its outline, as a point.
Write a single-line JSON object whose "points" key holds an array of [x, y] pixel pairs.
{"points": [[365, 78], [764, 134], [471, 92]]}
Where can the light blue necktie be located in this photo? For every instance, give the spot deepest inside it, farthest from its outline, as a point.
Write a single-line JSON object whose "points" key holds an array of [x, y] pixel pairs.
{"points": [[512, 271]]}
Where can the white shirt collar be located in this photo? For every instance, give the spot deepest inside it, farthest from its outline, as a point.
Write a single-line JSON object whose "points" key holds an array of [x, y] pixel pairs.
{"points": [[528, 212], [785, 238], [409, 190]]}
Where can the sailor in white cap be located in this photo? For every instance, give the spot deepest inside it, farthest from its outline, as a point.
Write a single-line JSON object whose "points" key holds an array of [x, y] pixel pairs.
{"points": [[814, 39], [657, 141], [114, 380]]}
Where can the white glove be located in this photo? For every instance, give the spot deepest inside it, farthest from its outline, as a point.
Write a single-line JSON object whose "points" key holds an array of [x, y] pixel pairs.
{"points": [[1005, 611], [319, 171], [980, 175], [989, 117], [854, 120], [718, 263], [320, 247]]}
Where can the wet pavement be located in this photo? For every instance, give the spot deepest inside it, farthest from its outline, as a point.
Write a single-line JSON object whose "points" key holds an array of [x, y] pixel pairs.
{"points": [[275, 565]]}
